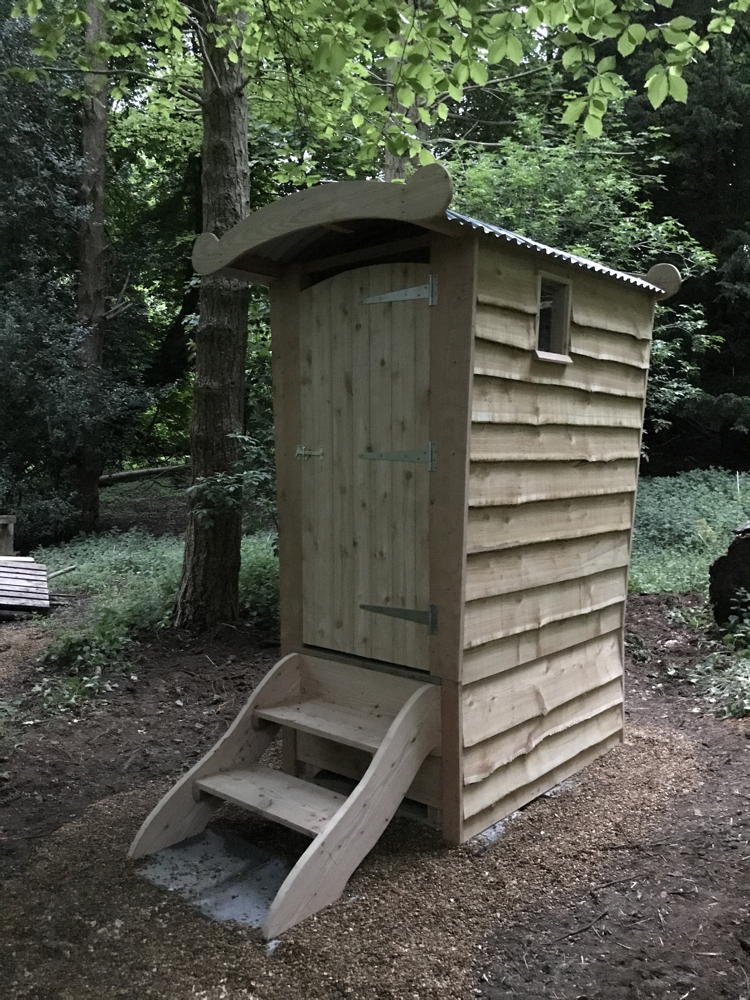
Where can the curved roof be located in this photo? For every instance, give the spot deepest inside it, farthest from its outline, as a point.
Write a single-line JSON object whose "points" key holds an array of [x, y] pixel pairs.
{"points": [[261, 243]]}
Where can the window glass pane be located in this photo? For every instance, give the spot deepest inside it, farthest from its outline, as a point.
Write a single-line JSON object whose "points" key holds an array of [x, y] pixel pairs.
{"points": [[552, 330]]}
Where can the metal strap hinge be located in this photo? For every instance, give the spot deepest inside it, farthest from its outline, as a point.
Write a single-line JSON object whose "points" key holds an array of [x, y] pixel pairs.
{"points": [[428, 617], [428, 292], [423, 456]]}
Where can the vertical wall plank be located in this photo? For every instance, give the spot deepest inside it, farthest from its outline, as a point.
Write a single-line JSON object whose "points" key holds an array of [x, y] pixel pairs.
{"points": [[453, 265], [285, 332]]}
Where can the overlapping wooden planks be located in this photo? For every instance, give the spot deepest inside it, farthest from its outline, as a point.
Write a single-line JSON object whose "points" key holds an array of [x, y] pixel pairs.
{"points": [[584, 372], [527, 793], [566, 744], [510, 571], [23, 586], [497, 704], [554, 459], [500, 483], [491, 658], [504, 401], [493, 528], [552, 443], [508, 279], [491, 755], [508, 614]]}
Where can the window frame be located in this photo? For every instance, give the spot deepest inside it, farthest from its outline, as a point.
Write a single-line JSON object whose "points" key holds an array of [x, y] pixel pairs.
{"points": [[561, 357]]}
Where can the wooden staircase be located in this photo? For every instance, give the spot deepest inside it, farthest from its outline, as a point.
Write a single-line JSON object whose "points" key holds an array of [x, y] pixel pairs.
{"points": [[394, 718]]}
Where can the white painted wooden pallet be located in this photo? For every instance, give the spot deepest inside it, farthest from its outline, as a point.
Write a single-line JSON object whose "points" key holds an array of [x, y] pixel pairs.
{"points": [[23, 585]]}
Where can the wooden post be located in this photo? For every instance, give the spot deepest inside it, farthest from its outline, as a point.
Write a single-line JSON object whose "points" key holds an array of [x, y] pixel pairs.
{"points": [[286, 389], [7, 522], [453, 264]]}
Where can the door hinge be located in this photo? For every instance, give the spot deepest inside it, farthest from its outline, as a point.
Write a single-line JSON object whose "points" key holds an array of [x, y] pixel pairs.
{"points": [[428, 617], [428, 292], [304, 452], [422, 456]]}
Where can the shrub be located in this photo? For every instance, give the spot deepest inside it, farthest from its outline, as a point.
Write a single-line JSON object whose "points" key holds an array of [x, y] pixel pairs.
{"points": [[683, 523], [723, 678]]}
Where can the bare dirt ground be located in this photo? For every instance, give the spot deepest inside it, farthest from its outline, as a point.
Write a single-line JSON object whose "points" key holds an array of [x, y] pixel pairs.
{"points": [[630, 882]]}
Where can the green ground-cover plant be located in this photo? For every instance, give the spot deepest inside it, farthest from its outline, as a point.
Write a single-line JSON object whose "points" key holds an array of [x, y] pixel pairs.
{"points": [[682, 524], [723, 677], [131, 580]]}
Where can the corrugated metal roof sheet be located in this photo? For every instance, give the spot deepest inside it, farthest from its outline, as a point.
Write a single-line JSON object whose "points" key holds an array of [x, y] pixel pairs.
{"points": [[552, 252]]}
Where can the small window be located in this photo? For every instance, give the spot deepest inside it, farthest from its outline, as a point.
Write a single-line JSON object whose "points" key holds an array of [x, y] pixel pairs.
{"points": [[553, 320]]}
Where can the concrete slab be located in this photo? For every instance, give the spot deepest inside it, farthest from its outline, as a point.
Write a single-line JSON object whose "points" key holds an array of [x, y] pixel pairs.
{"points": [[220, 873]]}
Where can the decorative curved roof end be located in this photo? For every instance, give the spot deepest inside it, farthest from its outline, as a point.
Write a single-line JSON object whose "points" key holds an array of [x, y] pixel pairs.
{"points": [[424, 197]]}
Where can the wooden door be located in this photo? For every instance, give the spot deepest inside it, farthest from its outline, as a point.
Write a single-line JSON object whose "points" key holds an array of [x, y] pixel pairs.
{"points": [[364, 355]]}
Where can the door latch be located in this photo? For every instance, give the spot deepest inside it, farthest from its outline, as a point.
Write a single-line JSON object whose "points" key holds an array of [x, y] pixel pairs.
{"points": [[304, 452]]}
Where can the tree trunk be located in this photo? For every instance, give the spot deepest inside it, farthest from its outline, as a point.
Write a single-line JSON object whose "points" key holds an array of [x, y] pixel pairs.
{"points": [[209, 589], [91, 305]]}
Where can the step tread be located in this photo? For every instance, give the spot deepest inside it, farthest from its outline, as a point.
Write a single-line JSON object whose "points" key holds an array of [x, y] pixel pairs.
{"points": [[341, 723], [281, 797]]}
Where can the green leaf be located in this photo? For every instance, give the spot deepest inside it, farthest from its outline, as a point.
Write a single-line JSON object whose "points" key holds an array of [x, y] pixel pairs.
{"points": [[673, 37], [461, 73], [455, 91], [515, 50], [624, 44], [678, 89], [592, 126], [607, 64], [571, 56], [497, 50], [442, 111], [405, 96], [657, 89], [379, 103], [556, 13], [533, 17], [425, 157], [724, 23], [681, 23], [478, 73], [574, 111], [373, 23], [358, 120]]}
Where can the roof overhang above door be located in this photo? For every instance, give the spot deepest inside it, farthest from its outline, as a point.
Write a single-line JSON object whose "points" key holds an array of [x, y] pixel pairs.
{"points": [[258, 247]]}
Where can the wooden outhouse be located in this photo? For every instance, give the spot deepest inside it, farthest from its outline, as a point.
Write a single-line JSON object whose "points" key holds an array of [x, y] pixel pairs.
{"points": [[458, 419]]}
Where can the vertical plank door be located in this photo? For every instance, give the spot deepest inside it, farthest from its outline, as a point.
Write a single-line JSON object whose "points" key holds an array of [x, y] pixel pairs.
{"points": [[365, 365]]}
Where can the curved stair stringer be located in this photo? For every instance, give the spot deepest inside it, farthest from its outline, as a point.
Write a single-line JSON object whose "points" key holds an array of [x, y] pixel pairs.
{"points": [[321, 874], [182, 812]]}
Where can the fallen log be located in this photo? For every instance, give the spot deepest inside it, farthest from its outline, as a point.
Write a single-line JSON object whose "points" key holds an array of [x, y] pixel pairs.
{"points": [[132, 475]]}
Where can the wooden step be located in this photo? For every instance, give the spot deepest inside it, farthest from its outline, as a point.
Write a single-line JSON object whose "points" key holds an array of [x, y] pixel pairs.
{"points": [[341, 723], [278, 796]]}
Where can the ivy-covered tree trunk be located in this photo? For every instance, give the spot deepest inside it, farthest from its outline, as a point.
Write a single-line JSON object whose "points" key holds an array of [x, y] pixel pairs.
{"points": [[92, 282], [209, 590]]}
